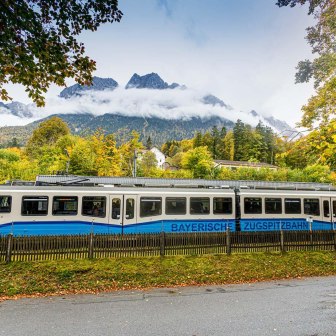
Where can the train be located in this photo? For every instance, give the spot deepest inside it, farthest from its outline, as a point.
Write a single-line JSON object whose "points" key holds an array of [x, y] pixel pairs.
{"points": [[64, 210]]}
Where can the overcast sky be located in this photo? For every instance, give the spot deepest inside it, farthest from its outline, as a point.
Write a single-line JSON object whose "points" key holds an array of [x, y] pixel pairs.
{"points": [[243, 51]]}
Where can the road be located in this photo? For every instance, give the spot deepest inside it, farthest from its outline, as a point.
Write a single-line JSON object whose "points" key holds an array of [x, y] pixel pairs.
{"points": [[295, 307]]}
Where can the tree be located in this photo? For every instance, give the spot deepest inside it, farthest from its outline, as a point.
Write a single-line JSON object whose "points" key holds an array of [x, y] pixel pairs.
{"points": [[243, 141], [149, 143], [198, 140], [322, 39], [46, 134], [107, 159], [199, 161], [38, 45], [147, 163], [128, 152], [216, 141]]}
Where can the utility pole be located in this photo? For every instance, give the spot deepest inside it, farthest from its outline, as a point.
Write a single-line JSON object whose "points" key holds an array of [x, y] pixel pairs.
{"points": [[134, 163], [68, 161]]}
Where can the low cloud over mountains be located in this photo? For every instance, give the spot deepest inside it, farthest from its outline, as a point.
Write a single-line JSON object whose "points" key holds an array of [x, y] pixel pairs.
{"points": [[147, 96]]}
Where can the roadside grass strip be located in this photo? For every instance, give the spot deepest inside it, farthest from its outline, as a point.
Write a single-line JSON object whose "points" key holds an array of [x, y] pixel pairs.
{"points": [[40, 278]]}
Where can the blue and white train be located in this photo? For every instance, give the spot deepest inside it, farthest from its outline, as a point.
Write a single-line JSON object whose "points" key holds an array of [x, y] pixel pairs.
{"points": [[55, 210]]}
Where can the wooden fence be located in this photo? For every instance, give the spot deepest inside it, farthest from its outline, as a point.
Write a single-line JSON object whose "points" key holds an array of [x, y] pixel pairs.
{"points": [[130, 245]]}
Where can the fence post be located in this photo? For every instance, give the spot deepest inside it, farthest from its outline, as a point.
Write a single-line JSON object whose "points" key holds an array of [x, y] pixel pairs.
{"points": [[162, 243], [9, 248], [91, 239], [282, 241], [228, 241]]}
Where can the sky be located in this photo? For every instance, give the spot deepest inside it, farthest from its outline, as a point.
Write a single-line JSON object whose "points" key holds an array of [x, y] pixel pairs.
{"points": [[242, 51]]}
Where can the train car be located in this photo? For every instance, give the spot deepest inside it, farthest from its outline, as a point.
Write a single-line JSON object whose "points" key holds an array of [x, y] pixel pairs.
{"points": [[55, 210], [269, 210]]}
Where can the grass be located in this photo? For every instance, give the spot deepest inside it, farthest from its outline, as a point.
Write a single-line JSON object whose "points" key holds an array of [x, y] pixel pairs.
{"points": [[91, 276]]}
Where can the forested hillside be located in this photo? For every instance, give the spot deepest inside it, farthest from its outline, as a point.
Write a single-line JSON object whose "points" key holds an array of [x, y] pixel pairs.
{"points": [[52, 148], [160, 130]]}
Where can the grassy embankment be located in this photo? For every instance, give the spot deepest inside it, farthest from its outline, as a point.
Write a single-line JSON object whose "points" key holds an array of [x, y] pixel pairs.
{"points": [[80, 276]]}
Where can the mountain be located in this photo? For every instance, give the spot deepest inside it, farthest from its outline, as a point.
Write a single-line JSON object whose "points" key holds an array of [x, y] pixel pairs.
{"points": [[160, 130], [170, 112], [98, 84], [17, 109], [213, 100], [280, 125], [149, 81]]}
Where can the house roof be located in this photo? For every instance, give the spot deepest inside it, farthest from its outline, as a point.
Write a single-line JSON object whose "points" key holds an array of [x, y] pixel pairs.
{"points": [[244, 164]]}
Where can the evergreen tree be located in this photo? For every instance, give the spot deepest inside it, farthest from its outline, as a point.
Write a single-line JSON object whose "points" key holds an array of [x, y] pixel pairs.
{"points": [[149, 143], [216, 142], [198, 140]]}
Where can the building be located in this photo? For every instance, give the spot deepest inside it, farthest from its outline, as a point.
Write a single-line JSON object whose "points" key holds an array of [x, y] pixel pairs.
{"points": [[243, 164], [160, 157]]}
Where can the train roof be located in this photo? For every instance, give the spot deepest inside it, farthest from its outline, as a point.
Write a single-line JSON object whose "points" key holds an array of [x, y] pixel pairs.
{"points": [[144, 182], [111, 190], [176, 183]]}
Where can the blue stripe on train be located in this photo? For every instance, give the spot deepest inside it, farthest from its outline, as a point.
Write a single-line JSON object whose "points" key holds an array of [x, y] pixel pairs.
{"points": [[211, 225], [275, 224], [57, 228], [82, 227]]}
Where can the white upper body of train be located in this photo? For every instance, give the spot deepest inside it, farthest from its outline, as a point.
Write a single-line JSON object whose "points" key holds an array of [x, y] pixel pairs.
{"points": [[59, 209]]}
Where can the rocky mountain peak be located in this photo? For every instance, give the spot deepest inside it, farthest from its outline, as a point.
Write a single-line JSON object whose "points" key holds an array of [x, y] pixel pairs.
{"points": [[149, 81], [98, 84], [17, 109], [213, 100]]}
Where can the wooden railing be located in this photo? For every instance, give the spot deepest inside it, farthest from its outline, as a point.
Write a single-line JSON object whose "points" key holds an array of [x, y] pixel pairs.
{"points": [[105, 245]]}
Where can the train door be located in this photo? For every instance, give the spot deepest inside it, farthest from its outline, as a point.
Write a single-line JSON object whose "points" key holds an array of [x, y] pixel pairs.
{"points": [[326, 209], [129, 210], [116, 203], [333, 211]]}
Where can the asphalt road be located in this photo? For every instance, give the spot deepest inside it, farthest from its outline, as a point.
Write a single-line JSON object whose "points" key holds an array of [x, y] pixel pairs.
{"points": [[295, 307]]}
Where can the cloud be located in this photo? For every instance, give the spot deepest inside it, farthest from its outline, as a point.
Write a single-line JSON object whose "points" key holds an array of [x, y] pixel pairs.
{"points": [[7, 119], [164, 104]]}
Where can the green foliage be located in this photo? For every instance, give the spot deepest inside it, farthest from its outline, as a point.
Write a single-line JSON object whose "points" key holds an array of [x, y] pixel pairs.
{"points": [[322, 39], [258, 145], [47, 133], [38, 45], [318, 147], [149, 143], [52, 148], [199, 162], [9, 155], [147, 164]]}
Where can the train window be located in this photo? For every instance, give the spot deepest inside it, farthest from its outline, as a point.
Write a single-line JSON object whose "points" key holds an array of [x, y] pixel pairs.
{"points": [[334, 209], [150, 206], [5, 203], [222, 205], [116, 202], [34, 206], [326, 208], [292, 205], [176, 206], [252, 205], [311, 206], [130, 208], [94, 206], [199, 205], [65, 205], [273, 206]]}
